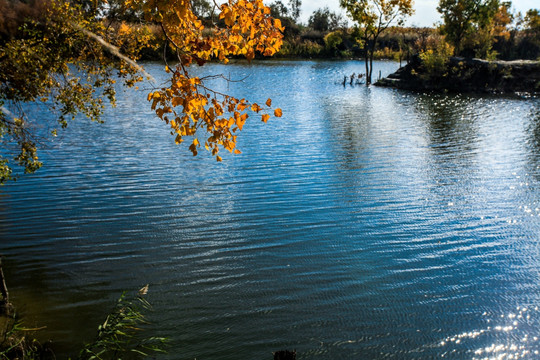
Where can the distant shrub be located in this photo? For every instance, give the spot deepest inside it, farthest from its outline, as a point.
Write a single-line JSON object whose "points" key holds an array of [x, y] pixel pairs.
{"points": [[300, 49], [313, 35], [346, 54], [388, 53], [434, 61], [332, 41]]}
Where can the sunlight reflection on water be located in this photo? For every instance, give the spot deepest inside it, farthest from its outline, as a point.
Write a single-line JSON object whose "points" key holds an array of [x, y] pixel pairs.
{"points": [[513, 336]]}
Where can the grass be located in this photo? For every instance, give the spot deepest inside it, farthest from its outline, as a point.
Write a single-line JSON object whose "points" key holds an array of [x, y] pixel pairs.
{"points": [[119, 337]]}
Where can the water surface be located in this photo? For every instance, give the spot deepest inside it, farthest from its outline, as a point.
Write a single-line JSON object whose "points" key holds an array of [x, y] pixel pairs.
{"points": [[366, 223]]}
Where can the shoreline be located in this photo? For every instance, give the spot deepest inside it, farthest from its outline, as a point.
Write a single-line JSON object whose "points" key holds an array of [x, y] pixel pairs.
{"points": [[468, 75]]}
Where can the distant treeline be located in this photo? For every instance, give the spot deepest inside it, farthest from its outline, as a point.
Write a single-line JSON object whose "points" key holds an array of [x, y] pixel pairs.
{"points": [[399, 43], [326, 35], [507, 35]]}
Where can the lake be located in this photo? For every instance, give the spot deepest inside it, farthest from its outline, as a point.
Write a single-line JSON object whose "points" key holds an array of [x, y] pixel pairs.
{"points": [[366, 223]]}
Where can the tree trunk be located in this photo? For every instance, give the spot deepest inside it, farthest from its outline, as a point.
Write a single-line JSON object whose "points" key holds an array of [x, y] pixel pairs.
{"points": [[370, 53], [371, 63], [5, 306], [366, 58]]}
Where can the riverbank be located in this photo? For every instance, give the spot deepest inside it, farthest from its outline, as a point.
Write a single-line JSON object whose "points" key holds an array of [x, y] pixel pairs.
{"points": [[468, 75]]}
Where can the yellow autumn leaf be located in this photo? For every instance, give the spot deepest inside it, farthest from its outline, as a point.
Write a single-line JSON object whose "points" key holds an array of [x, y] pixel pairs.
{"points": [[269, 102], [265, 117], [124, 29], [278, 112], [240, 123]]}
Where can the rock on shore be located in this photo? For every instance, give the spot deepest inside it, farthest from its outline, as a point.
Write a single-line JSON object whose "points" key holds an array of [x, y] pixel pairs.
{"points": [[469, 75]]}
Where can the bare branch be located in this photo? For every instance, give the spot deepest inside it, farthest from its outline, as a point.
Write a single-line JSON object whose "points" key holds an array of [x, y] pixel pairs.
{"points": [[113, 50], [7, 112]]}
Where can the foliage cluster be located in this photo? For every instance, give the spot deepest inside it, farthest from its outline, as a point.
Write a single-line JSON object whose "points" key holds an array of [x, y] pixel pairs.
{"points": [[435, 60], [186, 103], [523, 41], [47, 57], [325, 20], [301, 48], [489, 29], [69, 55]]}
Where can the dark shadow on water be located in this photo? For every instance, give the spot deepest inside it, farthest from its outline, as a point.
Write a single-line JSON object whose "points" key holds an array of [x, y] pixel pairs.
{"points": [[450, 122], [534, 142]]}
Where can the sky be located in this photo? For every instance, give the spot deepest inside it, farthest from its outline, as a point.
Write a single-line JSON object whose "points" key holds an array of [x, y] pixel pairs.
{"points": [[426, 10]]}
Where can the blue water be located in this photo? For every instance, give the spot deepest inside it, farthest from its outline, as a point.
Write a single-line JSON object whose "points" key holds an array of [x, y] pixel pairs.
{"points": [[366, 223]]}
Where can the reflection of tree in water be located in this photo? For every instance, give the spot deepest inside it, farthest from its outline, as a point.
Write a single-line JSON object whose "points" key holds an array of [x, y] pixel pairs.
{"points": [[533, 133], [451, 130], [349, 128], [372, 145], [450, 122]]}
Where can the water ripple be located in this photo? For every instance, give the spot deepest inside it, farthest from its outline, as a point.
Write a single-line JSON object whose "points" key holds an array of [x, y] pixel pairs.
{"points": [[365, 223]]}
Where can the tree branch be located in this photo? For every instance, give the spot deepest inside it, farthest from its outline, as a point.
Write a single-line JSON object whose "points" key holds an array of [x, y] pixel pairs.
{"points": [[113, 50]]}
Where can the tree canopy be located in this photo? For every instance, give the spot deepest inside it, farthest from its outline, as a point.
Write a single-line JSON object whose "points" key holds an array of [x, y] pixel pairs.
{"points": [[326, 20], [532, 21], [472, 24], [294, 7], [278, 9], [68, 55]]}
